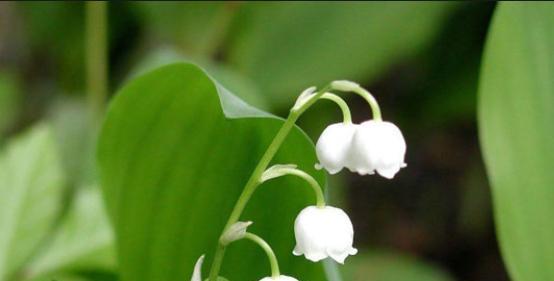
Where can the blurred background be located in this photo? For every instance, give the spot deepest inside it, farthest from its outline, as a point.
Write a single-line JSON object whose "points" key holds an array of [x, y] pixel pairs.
{"points": [[420, 60]]}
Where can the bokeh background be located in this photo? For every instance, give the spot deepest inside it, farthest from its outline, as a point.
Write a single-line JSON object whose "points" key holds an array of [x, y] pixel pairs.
{"points": [[420, 60]]}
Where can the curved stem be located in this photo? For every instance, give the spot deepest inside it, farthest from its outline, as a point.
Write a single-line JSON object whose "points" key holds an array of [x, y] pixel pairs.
{"points": [[254, 179], [372, 102], [253, 182], [346, 116], [269, 252], [250, 187], [320, 198]]}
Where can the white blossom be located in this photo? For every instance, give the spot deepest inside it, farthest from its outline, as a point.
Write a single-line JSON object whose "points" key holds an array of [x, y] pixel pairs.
{"points": [[333, 146], [377, 146], [324, 232]]}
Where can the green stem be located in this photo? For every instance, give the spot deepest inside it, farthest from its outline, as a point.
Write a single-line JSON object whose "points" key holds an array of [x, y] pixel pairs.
{"points": [[254, 179], [372, 102], [250, 187], [347, 117], [253, 182], [269, 252], [216, 264], [320, 198], [96, 57]]}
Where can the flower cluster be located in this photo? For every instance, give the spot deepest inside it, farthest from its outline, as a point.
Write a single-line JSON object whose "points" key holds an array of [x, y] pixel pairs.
{"points": [[362, 148], [321, 231], [373, 145]]}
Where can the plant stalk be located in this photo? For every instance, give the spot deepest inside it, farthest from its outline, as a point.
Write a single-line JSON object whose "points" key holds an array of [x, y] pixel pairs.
{"points": [[269, 252], [96, 58], [255, 178]]}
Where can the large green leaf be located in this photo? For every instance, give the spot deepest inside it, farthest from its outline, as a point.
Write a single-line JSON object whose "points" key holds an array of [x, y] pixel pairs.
{"points": [[31, 184], [175, 152], [84, 240], [66, 277], [244, 88], [286, 46], [516, 117], [194, 26]]}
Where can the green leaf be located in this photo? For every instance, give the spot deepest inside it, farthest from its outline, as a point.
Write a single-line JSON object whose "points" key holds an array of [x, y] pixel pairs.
{"points": [[389, 266], [8, 100], [226, 76], [289, 46], [31, 184], [194, 26], [60, 277], [174, 154], [84, 240], [516, 117]]}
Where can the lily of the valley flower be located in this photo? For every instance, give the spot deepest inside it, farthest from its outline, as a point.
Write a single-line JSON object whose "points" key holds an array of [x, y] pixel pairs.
{"points": [[280, 278], [324, 232], [377, 146], [371, 146], [334, 145]]}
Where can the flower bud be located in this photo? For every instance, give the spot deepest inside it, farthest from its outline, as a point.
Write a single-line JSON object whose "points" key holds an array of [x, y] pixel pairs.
{"points": [[324, 232], [333, 146], [377, 146], [304, 97], [235, 232], [197, 273], [345, 85], [280, 278]]}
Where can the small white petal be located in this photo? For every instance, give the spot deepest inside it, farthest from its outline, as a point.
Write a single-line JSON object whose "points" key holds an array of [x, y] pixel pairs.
{"points": [[339, 257], [323, 232], [197, 273], [333, 146], [388, 172]]}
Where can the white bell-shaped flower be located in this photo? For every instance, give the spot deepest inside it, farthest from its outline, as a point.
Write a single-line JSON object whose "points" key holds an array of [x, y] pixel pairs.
{"points": [[333, 146], [377, 146], [280, 278], [324, 232]]}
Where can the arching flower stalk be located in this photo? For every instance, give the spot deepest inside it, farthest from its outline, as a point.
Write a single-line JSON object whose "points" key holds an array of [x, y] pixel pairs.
{"points": [[321, 231], [236, 232]]}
